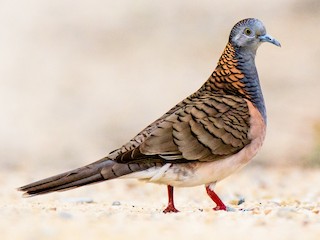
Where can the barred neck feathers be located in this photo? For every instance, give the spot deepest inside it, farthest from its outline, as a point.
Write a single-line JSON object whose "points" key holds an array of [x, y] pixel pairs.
{"points": [[236, 74]]}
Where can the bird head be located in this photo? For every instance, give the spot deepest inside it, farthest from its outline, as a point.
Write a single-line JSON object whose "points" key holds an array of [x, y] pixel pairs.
{"points": [[249, 34]]}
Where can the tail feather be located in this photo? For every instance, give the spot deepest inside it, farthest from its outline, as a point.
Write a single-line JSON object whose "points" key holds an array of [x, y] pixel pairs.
{"points": [[81, 176]]}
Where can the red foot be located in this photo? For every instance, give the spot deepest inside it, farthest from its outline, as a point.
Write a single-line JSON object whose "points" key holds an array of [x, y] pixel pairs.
{"points": [[170, 208], [220, 205], [220, 208]]}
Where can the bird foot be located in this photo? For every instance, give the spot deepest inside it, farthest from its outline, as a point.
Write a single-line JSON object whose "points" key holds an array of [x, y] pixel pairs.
{"points": [[170, 209], [220, 208], [220, 205]]}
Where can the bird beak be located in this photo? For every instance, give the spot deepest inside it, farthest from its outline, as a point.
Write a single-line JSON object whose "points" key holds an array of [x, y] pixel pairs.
{"points": [[270, 39]]}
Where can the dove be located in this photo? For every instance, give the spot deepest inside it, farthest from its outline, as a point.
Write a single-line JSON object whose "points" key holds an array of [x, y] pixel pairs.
{"points": [[203, 139]]}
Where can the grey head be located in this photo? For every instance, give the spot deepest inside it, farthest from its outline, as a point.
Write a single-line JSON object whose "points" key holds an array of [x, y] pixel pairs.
{"points": [[249, 34]]}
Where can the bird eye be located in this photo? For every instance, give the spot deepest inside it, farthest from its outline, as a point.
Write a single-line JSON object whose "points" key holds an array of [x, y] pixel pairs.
{"points": [[247, 31]]}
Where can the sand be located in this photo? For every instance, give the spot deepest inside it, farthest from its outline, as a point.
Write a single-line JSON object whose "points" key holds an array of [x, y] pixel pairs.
{"points": [[274, 204]]}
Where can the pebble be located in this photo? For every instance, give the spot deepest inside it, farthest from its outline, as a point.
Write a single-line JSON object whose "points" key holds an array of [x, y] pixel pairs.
{"points": [[80, 200], [65, 215], [267, 211], [241, 200], [237, 201], [116, 203]]}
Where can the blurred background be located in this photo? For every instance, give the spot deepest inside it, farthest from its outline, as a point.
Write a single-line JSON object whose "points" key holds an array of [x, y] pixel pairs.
{"points": [[80, 78]]}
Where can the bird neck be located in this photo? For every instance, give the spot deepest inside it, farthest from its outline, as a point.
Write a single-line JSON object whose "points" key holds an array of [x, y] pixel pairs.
{"points": [[236, 74]]}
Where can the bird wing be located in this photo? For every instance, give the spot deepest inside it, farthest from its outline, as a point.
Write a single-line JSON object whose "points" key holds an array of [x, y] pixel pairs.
{"points": [[200, 128]]}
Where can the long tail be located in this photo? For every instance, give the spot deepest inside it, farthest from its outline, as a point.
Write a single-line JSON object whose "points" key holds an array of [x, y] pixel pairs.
{"points": [[101, 170]]}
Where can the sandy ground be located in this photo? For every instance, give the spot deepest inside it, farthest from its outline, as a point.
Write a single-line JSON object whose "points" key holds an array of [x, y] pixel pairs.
{"points": [[80, 78], [278, 204]]}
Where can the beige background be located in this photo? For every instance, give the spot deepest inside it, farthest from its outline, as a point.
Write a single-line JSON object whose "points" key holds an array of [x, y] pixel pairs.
{"points": [[80, 78]]}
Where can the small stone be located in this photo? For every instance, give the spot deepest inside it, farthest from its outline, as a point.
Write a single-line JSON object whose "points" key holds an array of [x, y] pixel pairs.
{"points": [[116, 203], [237, 201], [267, 211], [255, 211], [65, 215], [80, 200], [241, 200]]}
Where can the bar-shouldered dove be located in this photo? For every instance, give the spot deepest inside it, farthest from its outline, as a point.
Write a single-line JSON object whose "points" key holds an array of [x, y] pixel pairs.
{"points": [[203, 139]]}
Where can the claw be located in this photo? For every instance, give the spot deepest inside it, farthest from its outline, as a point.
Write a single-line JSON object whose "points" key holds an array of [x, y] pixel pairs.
{"points": [[170, 209], [220, 208]]}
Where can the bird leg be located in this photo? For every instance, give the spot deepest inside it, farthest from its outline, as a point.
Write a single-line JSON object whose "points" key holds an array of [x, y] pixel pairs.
{"points": [[216, 199], [170, 208]]}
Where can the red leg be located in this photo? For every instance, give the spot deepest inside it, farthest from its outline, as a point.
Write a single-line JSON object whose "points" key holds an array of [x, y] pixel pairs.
{"points": [[216, 199], [170, 208]]}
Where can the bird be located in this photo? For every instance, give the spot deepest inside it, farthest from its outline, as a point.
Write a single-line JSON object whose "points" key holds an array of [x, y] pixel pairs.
{"points": [[203, 139]]}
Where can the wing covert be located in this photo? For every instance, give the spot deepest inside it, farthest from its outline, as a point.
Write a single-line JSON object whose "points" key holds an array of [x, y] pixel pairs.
{"points": [[208, 128]]}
